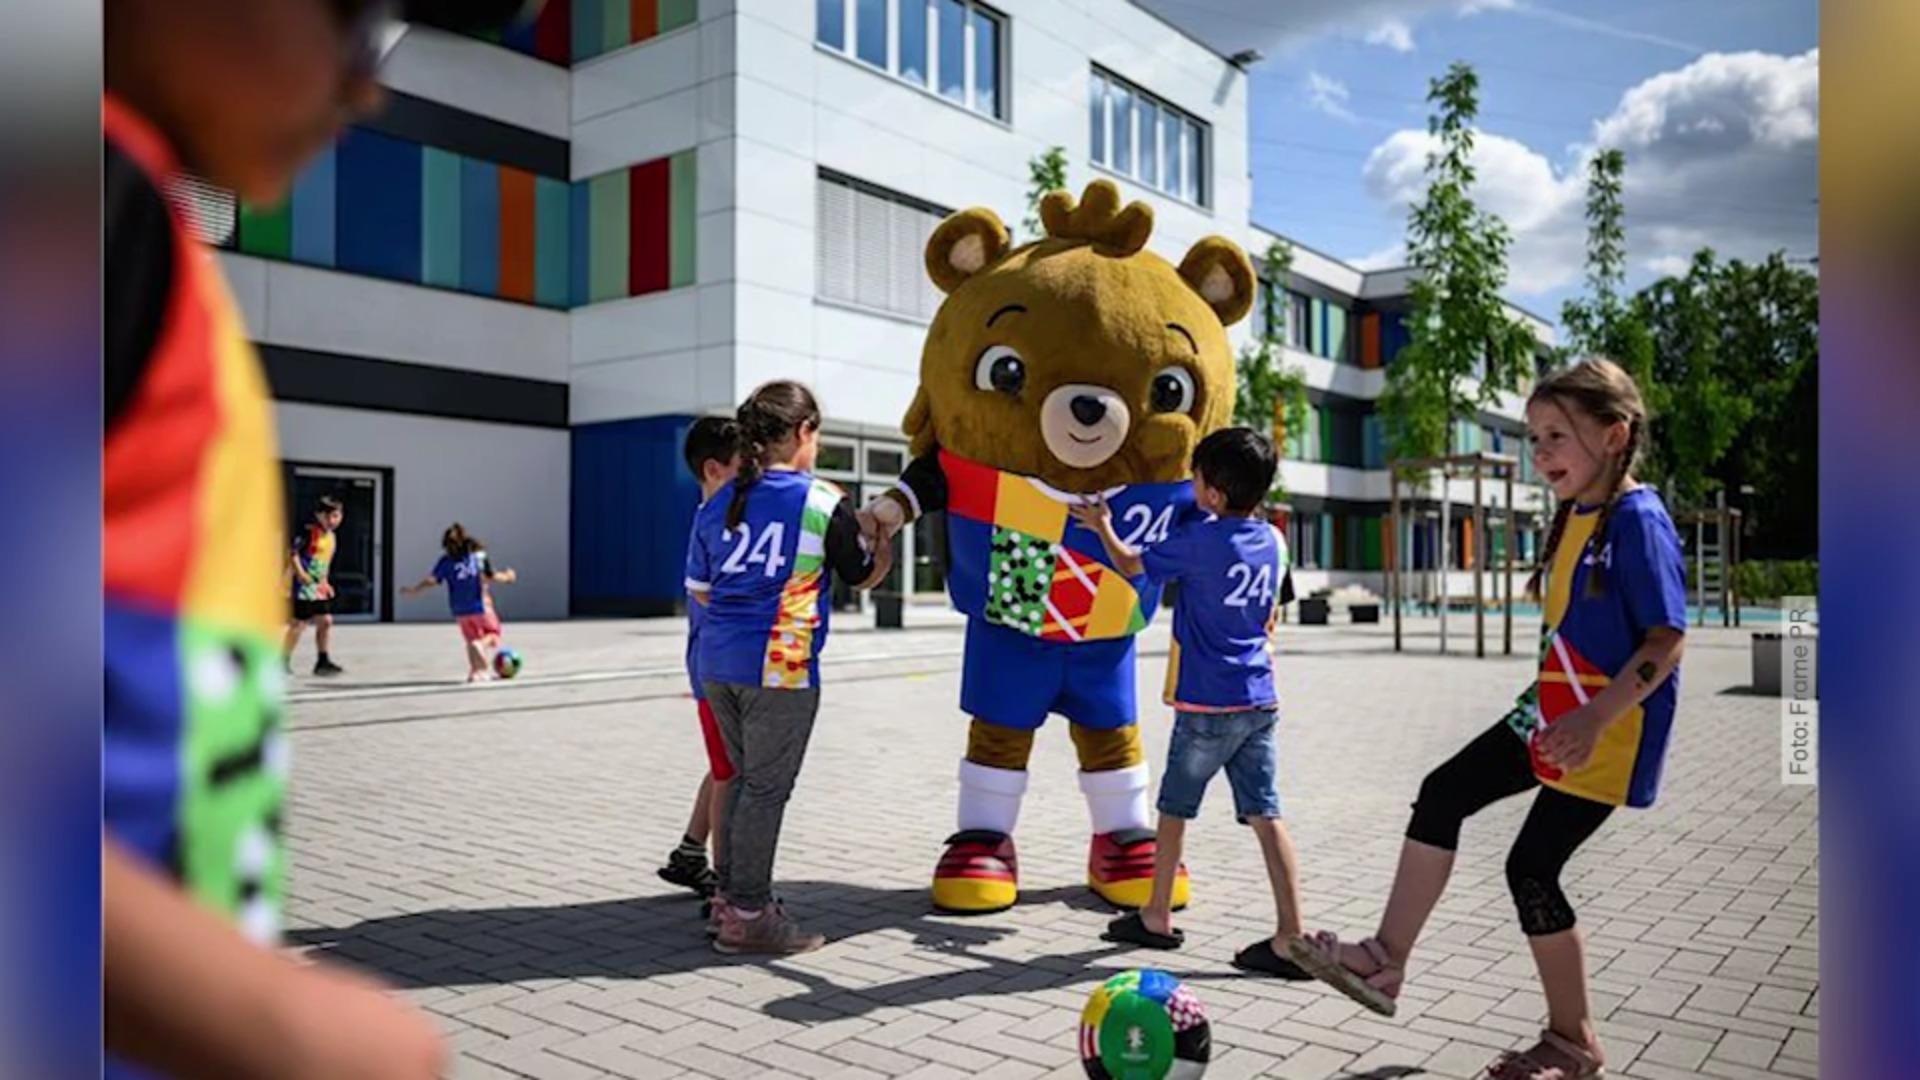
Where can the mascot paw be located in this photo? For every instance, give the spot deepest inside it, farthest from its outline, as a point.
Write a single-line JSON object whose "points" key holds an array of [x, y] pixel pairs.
{"points": [[1120, 869], [978, 874]]}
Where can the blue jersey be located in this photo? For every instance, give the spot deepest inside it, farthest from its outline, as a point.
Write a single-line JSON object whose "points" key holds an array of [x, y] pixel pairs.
{"points": [[1231, 571], [767, 580], [466, 582]]}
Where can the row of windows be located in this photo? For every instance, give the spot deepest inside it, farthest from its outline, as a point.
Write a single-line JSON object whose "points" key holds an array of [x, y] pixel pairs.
{"points": [[1356, 439], [952, 47], [1138, 135], [569, 31], [869, 247], [1329, 541], [392, 208]]}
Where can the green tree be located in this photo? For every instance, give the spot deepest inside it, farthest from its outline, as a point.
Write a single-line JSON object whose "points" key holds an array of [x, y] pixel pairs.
{"points": [[1269, 395], [1045, 172], [1698, 408], [1735, 394], [1603, 323], [1465, 347]]}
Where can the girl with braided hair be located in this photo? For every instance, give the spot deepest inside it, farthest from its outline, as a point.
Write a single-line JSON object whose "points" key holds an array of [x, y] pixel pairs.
{"points": [[1590, 734], [760, 562]]}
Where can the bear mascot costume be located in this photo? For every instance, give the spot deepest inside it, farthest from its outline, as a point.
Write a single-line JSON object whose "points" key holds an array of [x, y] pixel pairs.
{"points": [[1077, 364]]}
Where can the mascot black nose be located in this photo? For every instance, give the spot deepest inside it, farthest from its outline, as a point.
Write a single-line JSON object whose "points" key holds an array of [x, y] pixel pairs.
{"points": [[1088, 410]]}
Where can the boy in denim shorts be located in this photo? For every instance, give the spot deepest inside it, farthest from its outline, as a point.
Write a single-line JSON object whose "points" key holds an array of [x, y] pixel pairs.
{"points": [[1232, 568]]}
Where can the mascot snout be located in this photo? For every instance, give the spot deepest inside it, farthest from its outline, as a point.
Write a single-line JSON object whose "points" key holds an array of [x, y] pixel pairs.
{"points": [[1084, 425]]}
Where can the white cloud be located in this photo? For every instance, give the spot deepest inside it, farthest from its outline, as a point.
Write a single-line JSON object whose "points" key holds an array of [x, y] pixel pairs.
{"points": [[1392, 33], [1329, 95], [1722, 152], [1387, 258]]}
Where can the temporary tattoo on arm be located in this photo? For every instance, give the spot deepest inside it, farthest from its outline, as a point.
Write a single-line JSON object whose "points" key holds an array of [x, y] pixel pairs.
{"points": [[1646, 671]]}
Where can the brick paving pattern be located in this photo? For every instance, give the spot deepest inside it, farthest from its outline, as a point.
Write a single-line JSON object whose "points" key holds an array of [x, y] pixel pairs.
{"points": [[492, 851]]}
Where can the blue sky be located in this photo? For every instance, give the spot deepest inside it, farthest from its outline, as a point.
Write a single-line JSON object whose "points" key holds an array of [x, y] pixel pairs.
{"points": [[1715, 103]]}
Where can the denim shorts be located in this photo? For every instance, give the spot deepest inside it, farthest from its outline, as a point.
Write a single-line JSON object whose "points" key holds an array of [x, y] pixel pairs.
{"points": [[1205, 743]]}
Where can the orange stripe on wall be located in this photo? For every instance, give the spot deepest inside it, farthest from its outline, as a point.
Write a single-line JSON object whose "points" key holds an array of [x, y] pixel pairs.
{"points": [[646, 19], [516, 234]]}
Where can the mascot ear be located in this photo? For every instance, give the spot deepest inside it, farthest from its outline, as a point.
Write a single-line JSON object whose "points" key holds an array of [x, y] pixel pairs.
{"points": [[1218, 270], [963, 245]]}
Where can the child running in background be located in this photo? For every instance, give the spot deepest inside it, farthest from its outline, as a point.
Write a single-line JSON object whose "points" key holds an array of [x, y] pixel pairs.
{"points": [[463, 568], [1232, 570], [713, 456], [760, 561], [1590, 734]]}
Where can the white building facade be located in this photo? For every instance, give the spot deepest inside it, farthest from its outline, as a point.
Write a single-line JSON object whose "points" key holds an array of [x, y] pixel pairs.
{"points": [[503, 301]]}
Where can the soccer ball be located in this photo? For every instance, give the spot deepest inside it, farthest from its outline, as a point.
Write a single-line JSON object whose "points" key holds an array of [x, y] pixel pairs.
{"points": [[1144, 1025], [506, 663]]}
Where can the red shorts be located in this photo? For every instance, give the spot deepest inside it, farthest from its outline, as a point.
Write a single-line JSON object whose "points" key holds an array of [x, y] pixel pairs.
{"points": [[475, 627], [717, 762]]}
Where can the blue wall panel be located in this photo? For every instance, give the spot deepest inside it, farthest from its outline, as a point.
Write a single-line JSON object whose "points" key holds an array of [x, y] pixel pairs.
{"points": [[479, 226], [633, 504], [313, 211], [379, 184]]}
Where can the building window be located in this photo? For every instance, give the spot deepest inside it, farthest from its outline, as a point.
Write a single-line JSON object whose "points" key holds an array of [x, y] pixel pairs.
{"points": [[953, 46], [1299, 321], [1141, 136], [869, 246], [1305, 540]]}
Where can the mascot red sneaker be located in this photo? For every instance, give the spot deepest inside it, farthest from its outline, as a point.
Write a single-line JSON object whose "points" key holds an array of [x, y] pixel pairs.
{"points": [[1080, 363]]}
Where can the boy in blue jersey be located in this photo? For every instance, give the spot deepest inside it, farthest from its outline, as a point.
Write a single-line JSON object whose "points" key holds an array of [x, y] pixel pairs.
{"points": [[1232, 570], [761, 562], [713, 457]]}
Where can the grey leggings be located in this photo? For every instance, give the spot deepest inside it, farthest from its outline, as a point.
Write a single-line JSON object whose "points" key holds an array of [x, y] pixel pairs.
{"points": [[766, 733]]}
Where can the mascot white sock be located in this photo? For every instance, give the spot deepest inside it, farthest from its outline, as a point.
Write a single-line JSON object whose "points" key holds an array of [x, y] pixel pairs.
{"points": [[990, 797], [1117, 799]]}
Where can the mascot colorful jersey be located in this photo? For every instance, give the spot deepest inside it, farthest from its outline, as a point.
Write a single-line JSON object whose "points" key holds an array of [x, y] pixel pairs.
{"points": [[1076, 365]]}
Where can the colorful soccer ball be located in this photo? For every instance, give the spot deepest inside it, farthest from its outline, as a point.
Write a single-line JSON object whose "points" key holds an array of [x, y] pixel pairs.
{"points": [[506, 663], [1144, 1025]]}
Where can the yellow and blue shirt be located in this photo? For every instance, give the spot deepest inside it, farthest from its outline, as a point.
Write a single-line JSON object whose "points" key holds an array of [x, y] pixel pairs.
{"points": [[193, 748], [1587, 639]]}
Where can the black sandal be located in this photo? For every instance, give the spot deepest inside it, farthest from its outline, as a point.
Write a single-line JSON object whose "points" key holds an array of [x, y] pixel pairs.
{"points": [[1131, 929], [1260, 959]]}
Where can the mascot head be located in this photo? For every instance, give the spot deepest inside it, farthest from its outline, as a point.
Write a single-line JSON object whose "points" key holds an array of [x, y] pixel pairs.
{"points": [[1081, 358]]}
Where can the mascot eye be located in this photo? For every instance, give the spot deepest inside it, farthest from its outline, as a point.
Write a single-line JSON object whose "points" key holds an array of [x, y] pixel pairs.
{"points": [[1172, 390], [1000, 368]]}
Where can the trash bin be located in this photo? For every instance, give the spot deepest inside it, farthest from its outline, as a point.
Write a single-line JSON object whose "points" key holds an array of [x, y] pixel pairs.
{"points": [[1313, 611], [1365, 613], [888, 611], [1766, 663]]}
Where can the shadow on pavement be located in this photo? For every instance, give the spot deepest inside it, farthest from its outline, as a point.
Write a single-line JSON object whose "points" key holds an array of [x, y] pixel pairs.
{"points": [[649, 936]]}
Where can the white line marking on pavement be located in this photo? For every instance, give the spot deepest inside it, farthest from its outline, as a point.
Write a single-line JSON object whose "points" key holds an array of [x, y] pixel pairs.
{"points": [[579, 677]]}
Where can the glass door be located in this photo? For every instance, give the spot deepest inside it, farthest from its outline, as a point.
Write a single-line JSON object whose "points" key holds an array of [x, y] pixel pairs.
{"points": [[358, 571]]}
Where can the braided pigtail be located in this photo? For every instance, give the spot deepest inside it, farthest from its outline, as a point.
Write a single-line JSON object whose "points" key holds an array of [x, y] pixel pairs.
{"points": [[1539, 579], [1622, 469], [770, 416]]}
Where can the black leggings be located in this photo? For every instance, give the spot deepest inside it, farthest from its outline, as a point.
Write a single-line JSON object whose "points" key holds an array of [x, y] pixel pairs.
{"points": [[1492, 767]]}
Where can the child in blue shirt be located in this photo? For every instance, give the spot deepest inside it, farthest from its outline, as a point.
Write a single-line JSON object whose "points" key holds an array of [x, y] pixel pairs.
{"points": [[1232, 570], [464, 569], [760, 561], [712, 456]]}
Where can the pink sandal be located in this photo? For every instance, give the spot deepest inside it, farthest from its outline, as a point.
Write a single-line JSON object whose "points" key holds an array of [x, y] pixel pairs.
{"points": [[1554, 1057], [1376, 989]]}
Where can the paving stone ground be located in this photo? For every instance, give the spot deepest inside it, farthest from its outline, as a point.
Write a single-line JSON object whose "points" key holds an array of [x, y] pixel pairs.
{"points": [[491, 851]]}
